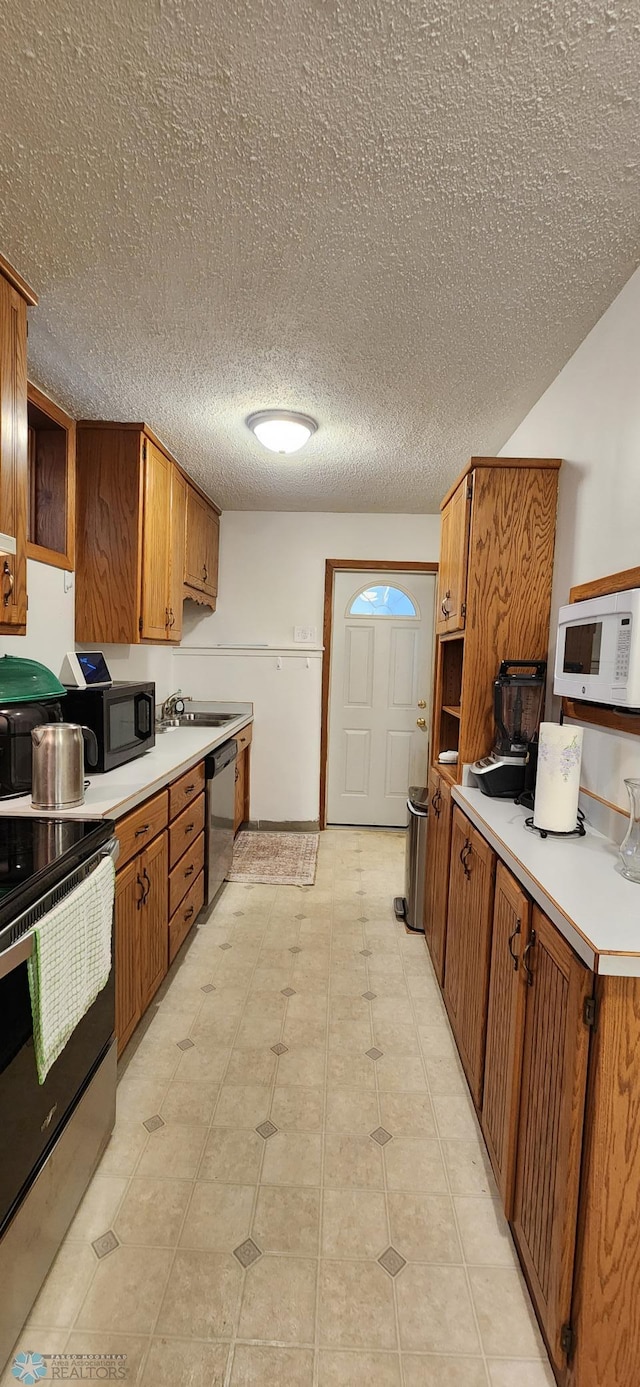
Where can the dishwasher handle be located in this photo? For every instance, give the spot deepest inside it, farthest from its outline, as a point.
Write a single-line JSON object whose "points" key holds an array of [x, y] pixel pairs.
{"points": [[219, 759]]}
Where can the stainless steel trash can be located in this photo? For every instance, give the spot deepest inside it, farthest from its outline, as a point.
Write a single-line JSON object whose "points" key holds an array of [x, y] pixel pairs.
{"points": [[410, 907]]}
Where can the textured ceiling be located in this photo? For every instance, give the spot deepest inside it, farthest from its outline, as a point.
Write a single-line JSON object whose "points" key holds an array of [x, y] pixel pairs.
{"points": [[401, 217]]}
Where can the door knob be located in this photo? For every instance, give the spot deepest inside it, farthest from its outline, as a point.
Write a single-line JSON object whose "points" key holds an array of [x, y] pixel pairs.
{"points": [[420, 722], [422, 702]]}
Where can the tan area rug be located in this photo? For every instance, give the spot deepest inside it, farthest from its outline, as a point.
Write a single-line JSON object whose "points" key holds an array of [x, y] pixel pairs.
{"points": [[275, 859]]}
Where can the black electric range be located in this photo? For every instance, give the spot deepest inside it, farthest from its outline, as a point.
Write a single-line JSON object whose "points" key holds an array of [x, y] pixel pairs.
{"points": [[52, 1133]]}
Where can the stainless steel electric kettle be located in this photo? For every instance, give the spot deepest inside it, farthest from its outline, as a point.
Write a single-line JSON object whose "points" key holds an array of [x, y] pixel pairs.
{"points": [[58, 764]]}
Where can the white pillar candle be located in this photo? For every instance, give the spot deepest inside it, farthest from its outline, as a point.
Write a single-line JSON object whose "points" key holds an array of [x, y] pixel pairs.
{"points": [[558, 780]]}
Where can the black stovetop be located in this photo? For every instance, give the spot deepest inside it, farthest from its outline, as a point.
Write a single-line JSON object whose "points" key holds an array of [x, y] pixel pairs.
{"points": [[35, 854]]}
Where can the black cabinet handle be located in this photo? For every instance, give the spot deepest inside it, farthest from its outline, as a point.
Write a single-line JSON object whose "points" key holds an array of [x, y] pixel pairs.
{"points": [[139, 831], [436, 802], [188, 913], [189, 871], [188, 828], [513, 936], [141, 898], [464, 856], [147, 893], [525, 956], [189, 789]]}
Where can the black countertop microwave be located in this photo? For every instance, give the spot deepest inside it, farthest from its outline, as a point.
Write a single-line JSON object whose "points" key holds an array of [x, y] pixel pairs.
{"points": [[122, 716]]}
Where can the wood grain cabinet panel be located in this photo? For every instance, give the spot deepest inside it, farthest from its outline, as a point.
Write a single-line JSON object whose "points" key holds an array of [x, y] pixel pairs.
{"points": [[185, 829], [505, 1030], [132, 531], [186, 914], [183, 875], [137, 829], [437, 870], [201, 549], [13, 456], [468, 946], [550, 1131], [452, 582], [186, 789], [154, 918], [129, 892]]}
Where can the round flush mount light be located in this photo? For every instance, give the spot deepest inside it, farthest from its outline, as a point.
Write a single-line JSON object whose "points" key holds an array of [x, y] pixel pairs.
{"points": [[282, 430]]}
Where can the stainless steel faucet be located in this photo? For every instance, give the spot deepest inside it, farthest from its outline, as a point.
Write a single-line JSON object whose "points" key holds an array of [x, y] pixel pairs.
{"points": [[175, 703]]}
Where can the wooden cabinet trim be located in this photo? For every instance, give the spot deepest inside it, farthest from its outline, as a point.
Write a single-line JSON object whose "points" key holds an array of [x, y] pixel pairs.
{"points": [[550, 464], [505, 1030], [18, 283]]}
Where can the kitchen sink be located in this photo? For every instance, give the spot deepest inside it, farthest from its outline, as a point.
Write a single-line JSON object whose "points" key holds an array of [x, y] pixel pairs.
{"points": [[205, 719]]}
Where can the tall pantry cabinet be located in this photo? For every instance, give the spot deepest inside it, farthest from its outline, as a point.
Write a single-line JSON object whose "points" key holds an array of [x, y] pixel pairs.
{"points": [[494, 602]]}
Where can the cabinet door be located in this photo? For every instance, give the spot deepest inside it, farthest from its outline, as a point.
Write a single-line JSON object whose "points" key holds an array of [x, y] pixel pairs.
{"points": [[468, 946], [505, 1030], [153, 866], [129, 892], [554, 1077], [211, 529], [437, 870], [176, 554], [452, 586], [155, 543], [13, 457], [238, 813]]}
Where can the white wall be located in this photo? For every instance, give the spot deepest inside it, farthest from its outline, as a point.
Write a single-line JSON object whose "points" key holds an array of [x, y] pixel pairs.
{"points": [[590, 416], [50, 618]]}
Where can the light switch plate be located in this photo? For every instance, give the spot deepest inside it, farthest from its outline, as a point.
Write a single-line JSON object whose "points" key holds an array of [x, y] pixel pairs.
{"points": [[305, 635]]}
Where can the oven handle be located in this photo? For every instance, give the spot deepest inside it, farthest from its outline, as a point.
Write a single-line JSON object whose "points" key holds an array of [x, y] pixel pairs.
{"points": [[19, 952]]}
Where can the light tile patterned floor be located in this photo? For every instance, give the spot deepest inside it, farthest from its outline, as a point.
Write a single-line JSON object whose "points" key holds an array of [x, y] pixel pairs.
{"points": [[299, 1197]]}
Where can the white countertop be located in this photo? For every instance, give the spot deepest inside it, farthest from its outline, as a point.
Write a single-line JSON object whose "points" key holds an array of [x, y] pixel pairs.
{"points": [[113, 794], [576, 881]]}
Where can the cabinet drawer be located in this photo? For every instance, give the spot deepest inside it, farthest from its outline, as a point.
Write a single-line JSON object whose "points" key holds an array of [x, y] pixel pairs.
{"points": [[137, 829], [183, 918], [243, 738], [185, 829], [182, 877], [184, 790]]}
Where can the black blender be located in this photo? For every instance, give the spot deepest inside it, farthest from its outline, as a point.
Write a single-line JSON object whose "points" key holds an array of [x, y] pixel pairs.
{"points": [[518, 699]]}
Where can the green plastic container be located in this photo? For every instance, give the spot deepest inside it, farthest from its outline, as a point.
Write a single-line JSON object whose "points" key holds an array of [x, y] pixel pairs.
{"points": [[27, 681]]}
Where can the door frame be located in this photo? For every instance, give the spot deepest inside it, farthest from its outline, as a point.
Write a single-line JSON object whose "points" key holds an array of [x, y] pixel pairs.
{"points": [[333, 566]]}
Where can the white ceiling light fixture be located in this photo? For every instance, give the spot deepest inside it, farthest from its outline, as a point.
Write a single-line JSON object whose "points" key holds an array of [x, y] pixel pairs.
{"points": [[282, 430]]}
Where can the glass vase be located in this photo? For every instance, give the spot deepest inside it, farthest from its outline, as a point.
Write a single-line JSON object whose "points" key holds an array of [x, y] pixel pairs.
{"points": [[630, 845]]}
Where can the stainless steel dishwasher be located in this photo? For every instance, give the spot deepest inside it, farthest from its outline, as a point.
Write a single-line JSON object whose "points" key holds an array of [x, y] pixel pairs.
{"points": [[220, 769]]}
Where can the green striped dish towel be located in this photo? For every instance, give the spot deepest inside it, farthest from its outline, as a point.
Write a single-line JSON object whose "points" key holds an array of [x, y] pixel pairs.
{"points": [[70, 962]]}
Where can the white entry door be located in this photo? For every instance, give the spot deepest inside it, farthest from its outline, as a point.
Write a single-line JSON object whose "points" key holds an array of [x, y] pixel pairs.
{"points": [[381, 662]]}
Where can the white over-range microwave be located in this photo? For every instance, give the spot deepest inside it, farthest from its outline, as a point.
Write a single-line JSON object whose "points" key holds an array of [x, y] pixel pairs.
{"points": [[598, 650]]}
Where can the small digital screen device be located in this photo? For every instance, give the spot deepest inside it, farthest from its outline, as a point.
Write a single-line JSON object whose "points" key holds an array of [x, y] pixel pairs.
{"points": [[86, 669]]}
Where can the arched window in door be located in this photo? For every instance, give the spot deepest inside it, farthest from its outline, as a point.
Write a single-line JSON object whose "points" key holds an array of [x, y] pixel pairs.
{"points": [[381, 599]]}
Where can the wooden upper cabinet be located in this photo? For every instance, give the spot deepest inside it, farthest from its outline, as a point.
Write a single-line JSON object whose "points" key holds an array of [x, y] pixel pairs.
{"points": [[454, 551], [14, 297], [51, 521], [550, 1132], [201, 549], [155, 611], [132, 529], [505, 1030], [468, 945]]}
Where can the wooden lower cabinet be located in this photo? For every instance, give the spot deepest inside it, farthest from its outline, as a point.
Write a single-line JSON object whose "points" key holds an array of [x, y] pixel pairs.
{"points": [[437, 870], [184, 917], [505, 1030], [551, 1121], [154, 918], [468, 945], [127, 953], [241, 810]]}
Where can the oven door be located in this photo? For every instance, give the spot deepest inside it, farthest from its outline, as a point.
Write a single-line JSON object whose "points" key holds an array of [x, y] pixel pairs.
{"points": [[32, 1114], [129, 725]]}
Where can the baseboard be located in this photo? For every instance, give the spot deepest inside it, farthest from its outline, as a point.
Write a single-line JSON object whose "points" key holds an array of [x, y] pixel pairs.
{"points": [[283, 825]]}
